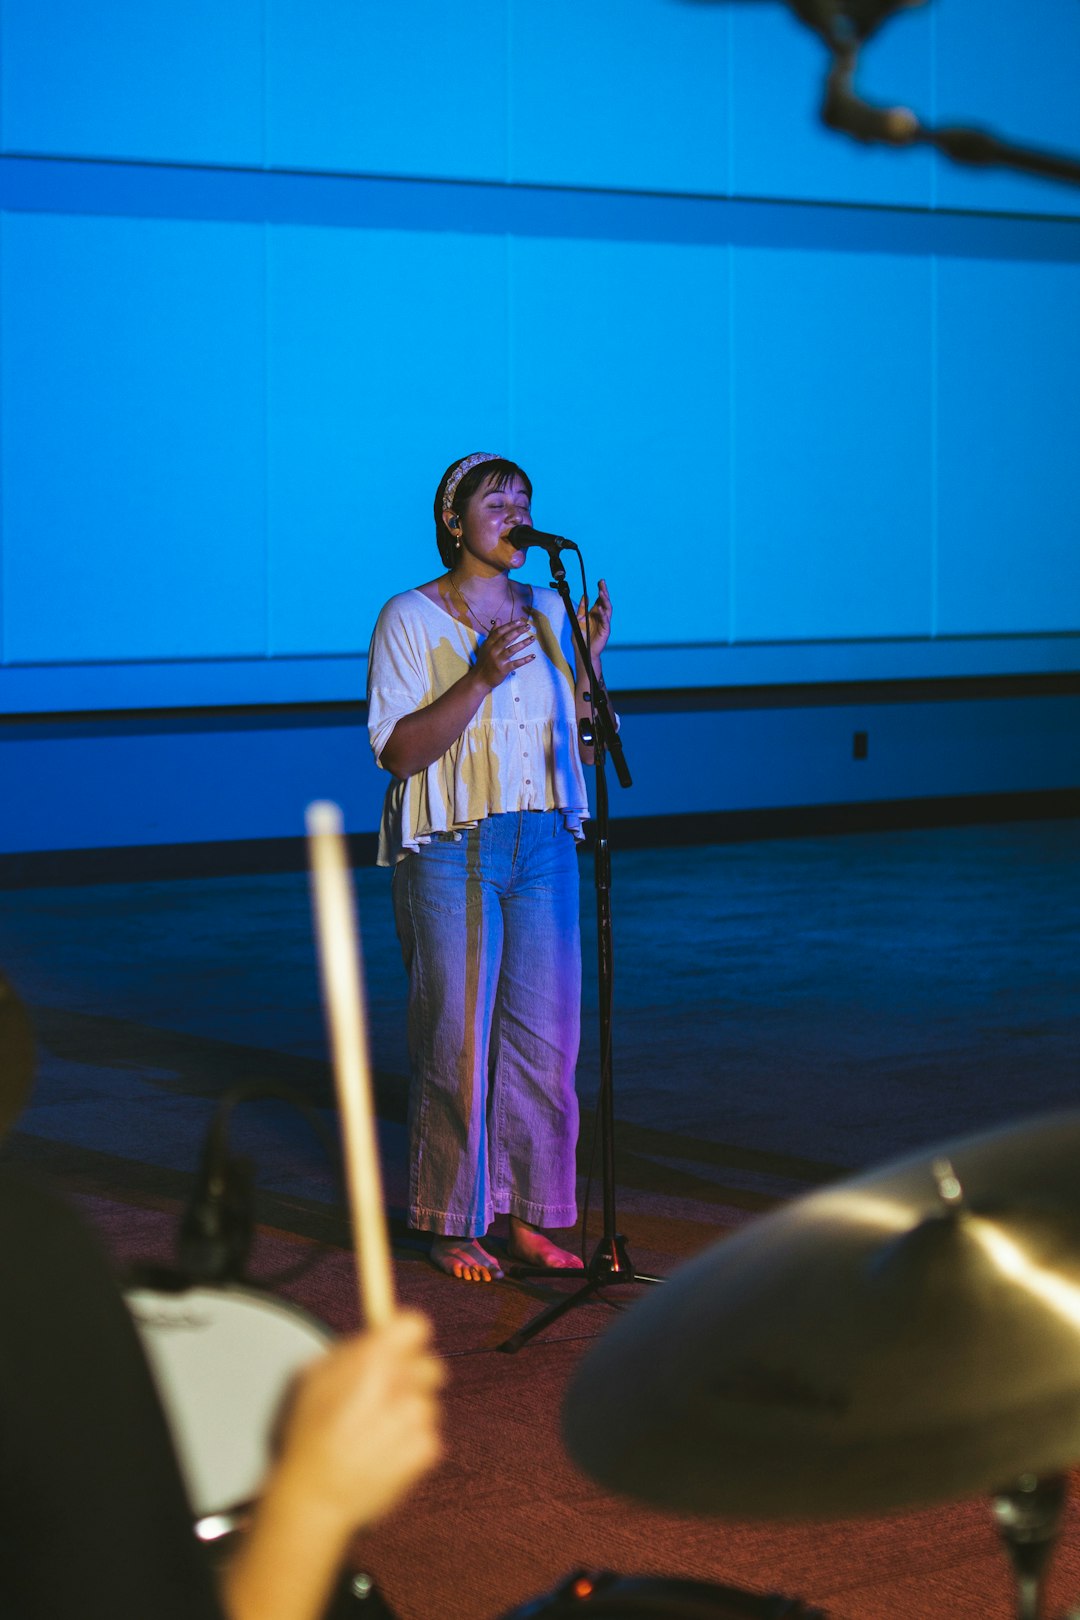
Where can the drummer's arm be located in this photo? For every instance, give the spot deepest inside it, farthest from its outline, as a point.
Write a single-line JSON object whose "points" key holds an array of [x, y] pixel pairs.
{"points": [[363, 1428], [287, 1565]]}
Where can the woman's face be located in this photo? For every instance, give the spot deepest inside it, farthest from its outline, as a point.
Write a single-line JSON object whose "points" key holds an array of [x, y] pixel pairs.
{"points": [[488, 517]]}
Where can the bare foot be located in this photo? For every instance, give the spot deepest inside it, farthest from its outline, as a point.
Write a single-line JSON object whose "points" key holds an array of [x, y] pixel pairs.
{"points": [[529, 1245], [465, 1258]]}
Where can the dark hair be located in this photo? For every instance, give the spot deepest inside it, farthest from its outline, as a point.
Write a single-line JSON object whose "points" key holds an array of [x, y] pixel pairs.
{"points": [[498, 473]]}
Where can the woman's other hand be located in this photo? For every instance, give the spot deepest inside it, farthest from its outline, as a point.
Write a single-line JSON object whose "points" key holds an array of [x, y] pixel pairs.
{"points": [[503, 651]]}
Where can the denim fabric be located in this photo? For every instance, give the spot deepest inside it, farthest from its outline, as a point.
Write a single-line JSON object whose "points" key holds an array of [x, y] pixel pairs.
{"points": [[488, 924]]}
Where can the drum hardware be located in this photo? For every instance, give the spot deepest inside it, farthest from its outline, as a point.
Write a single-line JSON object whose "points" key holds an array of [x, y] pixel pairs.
{"points": [[359, 1597], [1028, 1518], [224, 1350], [605, 1596], [223, 1358], [602, 1595], [620, 1597], [906, 1337], [218, 1226]]}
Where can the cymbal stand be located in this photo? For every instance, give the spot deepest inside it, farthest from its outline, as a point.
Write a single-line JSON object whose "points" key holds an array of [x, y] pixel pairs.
{"points": [[610, 1263], [1028, 1516]]}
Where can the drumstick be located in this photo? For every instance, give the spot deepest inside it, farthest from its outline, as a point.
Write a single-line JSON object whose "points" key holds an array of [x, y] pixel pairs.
{"points": [[341, 973]]}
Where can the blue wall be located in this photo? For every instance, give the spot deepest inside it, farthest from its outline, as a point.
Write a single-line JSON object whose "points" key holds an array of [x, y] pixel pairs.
{"points": [[225, 405], [112, 782], [266, 267]]}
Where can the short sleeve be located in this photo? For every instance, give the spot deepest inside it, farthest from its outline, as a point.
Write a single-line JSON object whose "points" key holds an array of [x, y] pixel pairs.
{"points": [[398, 682]]}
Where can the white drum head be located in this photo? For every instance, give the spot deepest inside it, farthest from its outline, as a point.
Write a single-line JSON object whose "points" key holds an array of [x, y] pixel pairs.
{"points": [[223, 1359]]}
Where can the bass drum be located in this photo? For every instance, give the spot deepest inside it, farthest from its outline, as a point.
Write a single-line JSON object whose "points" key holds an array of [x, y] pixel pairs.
{"points": [[223, 1360], [627, 1597]]}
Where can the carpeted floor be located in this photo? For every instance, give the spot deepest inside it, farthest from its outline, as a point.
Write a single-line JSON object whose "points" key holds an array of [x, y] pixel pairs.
{"points": [[785, 1011]]}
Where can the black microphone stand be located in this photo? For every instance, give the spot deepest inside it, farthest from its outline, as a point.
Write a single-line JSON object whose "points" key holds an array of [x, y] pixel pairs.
{"points": [[610, 1263]]}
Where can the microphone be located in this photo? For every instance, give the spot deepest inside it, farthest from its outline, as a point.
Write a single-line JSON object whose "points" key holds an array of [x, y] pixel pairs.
{"points": [[523, 535], [219, 1223]]}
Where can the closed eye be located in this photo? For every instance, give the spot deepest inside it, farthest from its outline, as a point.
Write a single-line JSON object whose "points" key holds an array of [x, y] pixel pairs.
{"points": [[499, 505]]}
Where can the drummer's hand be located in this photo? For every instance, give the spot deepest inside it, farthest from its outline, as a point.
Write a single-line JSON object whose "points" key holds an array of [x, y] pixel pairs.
{"points": [[504, 650], [363, 1423], [596, 622]]}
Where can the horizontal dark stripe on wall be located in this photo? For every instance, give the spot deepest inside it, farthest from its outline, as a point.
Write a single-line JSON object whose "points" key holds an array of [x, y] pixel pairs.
{"points": [[45, 184], [819, 820], [676, 700], [247, 857], [180, 722], [843, 694], [145, 863]]}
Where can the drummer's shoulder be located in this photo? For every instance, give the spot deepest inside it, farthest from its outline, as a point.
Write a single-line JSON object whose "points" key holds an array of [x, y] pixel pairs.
{"points": [[22, 1191], [39, 1227]]}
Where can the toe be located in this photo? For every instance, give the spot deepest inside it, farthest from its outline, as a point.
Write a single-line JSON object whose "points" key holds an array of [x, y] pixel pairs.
{"points": [[465, 1261]]}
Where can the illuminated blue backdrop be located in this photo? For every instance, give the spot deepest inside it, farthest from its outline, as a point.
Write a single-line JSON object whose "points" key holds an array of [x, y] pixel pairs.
{"points": [[268, 266]]}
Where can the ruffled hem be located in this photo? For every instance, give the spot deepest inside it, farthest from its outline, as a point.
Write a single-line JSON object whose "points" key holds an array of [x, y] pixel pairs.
{"points": [[466, 785]]}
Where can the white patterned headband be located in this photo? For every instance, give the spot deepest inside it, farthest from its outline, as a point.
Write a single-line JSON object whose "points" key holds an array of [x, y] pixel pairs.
{"points": [[459, 472]]}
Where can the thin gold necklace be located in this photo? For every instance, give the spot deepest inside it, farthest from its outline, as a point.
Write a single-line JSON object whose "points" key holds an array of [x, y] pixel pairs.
{"points": [[464, 600]]}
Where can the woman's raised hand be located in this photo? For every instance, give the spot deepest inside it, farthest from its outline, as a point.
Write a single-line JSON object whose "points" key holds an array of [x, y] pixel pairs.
{"points": [[503, 651], [595, 621]]}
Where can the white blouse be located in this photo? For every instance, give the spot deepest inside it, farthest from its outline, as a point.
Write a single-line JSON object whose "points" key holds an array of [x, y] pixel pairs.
{"points": [[518, 752]]}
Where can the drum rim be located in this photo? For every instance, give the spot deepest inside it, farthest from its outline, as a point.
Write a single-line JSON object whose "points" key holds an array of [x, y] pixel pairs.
{"points": [[218, 1524], [249, 1291]]}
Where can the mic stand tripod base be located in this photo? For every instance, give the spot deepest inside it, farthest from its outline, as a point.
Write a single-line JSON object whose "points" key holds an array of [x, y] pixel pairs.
{"points": [[610, 1265]]}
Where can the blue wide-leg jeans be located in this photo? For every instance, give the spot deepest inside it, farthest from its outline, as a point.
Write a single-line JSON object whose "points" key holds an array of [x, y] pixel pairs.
{"points": [[488, 924]]}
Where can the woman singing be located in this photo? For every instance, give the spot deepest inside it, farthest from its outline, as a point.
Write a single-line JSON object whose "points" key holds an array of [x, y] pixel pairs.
{"points": [[474, 693]]}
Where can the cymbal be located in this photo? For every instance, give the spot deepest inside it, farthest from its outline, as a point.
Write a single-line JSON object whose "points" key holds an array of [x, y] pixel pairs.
{"points": [[16, 1055], [907, 1336]]}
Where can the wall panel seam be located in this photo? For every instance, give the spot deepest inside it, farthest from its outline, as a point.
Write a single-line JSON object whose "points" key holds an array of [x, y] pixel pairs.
{"points": [[733, 471], [935, 452], [3, 458], [267, 380]]}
